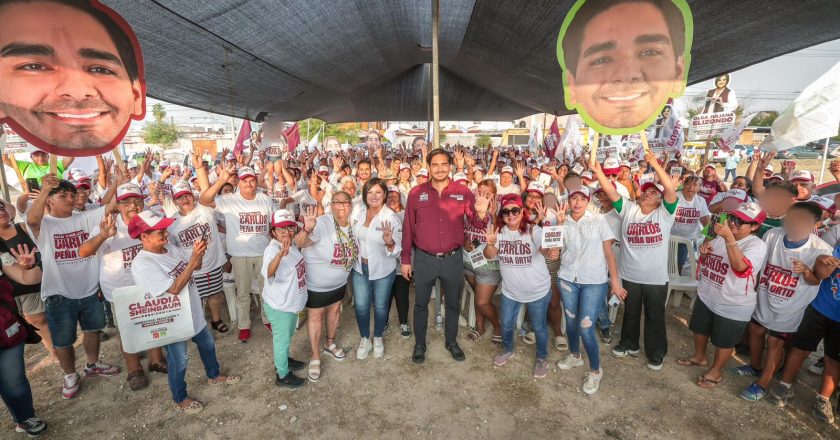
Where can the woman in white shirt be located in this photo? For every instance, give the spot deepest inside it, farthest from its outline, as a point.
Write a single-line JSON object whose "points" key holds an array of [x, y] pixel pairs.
{"points": [[328, 245], [378, 232], [692, 214], [587, 264], [728, 272], [284, 293], [517, 244]]}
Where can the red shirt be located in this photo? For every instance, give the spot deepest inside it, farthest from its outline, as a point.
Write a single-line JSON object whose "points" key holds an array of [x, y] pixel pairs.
{"points": [[434, 222], [709, 189]]}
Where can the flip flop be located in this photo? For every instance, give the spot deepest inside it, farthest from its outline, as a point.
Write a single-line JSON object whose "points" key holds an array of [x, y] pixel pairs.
{"points": [[496, 339], [530, 338], [688, 362], [219, 326], [159, 367], [473, 335], [561, 343], [706, 383]]}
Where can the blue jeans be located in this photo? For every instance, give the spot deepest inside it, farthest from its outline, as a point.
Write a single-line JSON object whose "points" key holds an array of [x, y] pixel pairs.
{"points": [[583, 302], [14, 386], [603, 322], [177, 357], [363, 290], [63, 314], [537, 311]]}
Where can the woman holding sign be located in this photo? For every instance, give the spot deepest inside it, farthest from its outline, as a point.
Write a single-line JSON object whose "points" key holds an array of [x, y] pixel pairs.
{"points": [[517, 243], [646, 230], [588, 262], [482, 273]]}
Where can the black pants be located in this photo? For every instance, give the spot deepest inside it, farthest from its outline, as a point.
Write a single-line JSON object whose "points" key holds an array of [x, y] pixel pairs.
{"points": [[652, 298], [427, 270], [399, 294]]}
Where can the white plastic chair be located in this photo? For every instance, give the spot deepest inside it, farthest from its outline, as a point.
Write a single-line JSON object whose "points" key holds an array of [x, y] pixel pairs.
{"points": [[677, 282]]}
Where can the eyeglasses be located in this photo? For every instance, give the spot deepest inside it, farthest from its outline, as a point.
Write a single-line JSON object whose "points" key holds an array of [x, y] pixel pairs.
{"points": [[341, 203], [511, 211], [132, 201]]}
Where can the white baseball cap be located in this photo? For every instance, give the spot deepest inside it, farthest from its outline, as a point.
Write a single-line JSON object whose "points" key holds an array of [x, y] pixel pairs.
{"points": [[180, 189], [246, 172], [536, 187], [801, 176], [282, 218], [127, 190], [507, 169]]}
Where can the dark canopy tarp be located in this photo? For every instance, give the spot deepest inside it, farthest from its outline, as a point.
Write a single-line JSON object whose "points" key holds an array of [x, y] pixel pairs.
{"points": [[363, 60]]}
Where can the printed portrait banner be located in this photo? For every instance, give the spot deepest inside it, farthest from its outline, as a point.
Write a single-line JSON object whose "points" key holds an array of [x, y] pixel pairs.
{"points": [[708, 125], [623, 61], [72, 76], [147, 321], [552, 237]]}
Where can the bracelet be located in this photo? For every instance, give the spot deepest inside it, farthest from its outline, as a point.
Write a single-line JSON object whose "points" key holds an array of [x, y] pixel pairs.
{"points": [[734, 243]]}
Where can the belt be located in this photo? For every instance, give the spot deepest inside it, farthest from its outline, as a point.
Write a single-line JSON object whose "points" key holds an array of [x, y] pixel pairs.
{"points": [[442, 254]]}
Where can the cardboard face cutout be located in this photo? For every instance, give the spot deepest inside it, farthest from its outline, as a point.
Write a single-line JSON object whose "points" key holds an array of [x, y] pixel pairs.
{"points": [[71, 75], [623, 59]]}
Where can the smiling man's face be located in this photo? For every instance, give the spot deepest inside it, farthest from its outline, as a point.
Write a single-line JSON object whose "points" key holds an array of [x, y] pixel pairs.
{"points": [[61, 77], [627, 68]]}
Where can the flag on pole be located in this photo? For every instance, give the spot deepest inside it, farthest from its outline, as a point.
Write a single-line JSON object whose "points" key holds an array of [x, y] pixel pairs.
{"points": [[313, 143], [243, 140], [552, 140], [814, 115], [535, 137], [391, 134], [292, 136], [570, 142], [730, 137]]}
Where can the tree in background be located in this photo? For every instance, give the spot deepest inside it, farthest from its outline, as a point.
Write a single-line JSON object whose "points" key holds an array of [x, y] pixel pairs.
{"points": [[765, 119], [483, 141], [159, 131], [340, 131]]}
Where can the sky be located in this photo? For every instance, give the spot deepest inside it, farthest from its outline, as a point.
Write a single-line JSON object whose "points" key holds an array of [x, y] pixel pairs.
{"points": [[770, 85]]}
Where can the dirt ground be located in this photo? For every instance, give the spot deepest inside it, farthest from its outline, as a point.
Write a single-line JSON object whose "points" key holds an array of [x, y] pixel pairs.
{"points": [[392, 398]]}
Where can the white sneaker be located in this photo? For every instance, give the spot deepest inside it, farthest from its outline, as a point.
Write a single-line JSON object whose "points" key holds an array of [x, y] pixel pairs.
{"points": [[592, 382], [364, 349], [569, 362], [378, 348]]}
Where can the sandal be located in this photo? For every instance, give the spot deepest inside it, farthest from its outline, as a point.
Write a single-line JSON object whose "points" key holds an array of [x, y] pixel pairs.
{"points": [[705, 382], [689, 362], [561, 343], [137, 380], [219, 326], [530, 338], [496, 339], [159, 367], [314, 370], [194, 407], [473, 335], [219, 380], [336, 352]]}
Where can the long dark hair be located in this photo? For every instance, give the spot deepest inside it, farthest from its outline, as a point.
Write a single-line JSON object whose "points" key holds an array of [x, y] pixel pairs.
{"points": [[374, 181]]}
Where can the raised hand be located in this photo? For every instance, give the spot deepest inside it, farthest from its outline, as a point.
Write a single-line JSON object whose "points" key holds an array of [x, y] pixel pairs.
{"points": [[491, 234], [108, 226], [196, 160], [723, 230], [309, 218], [226, 172], [561, 211], [25, 256], [519, 168], [387, 233], [49, 182], [542, 211], [285, 244]]}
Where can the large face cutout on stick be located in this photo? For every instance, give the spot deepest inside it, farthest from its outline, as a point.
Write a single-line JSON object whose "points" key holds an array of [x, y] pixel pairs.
{"points": [[71, 75], [623, 59]]}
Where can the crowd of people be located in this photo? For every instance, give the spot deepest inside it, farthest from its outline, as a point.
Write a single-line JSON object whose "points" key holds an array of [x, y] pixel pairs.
{"points": [[306, 230]]}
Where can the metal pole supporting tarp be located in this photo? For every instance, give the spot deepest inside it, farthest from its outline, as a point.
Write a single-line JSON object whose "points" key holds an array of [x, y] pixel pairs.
{"points": [[435, 73]]}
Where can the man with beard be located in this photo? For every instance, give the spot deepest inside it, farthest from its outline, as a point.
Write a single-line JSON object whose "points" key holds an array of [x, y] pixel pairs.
{"points": [[622, 60], [69, 75]]}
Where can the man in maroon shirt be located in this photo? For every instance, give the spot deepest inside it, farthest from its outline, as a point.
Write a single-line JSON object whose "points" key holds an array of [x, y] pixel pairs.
{"points": [[434, 228]]}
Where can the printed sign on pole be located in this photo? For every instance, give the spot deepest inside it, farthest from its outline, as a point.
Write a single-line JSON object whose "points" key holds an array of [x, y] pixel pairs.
{"points": [[707, 125]]}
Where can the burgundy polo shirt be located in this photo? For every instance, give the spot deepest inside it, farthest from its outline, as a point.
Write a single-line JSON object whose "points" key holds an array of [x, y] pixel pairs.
{"points": [[434, 222]]}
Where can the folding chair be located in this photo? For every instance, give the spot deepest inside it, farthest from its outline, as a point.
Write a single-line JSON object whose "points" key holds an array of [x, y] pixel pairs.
{"points": [[676, 281]]}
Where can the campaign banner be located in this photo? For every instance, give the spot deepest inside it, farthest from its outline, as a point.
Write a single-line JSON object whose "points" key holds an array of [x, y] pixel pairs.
{"points": [[708, 125], [146, 321], [14, 143], [552, 237]]}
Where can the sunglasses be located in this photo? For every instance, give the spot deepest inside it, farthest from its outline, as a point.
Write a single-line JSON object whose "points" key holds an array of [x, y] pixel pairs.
{"points": [[737, 222], [511, 211]]}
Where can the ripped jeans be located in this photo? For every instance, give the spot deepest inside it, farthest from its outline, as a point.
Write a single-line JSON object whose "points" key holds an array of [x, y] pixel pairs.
{"points": [[176, 359], [582, 302]]}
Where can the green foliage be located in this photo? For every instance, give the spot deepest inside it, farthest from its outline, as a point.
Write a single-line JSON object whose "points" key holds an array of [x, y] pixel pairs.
{"points": [[160, 132], [344, 134], [764, 119], [483, 141]]}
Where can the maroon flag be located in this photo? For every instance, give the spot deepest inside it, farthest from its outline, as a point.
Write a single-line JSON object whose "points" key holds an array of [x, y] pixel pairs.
{"points": [[243, 138], [552, 140], [292, 136]]}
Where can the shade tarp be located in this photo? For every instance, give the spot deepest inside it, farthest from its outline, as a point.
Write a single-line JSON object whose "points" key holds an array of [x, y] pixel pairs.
{"points": [[364, 60]]}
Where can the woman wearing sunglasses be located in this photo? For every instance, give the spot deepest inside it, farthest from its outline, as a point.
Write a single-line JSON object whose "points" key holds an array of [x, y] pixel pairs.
{"points": [[284, 293], [517, 243], [729, 265]]}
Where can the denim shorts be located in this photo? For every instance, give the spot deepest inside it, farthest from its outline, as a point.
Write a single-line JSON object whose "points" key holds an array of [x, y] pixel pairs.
{"points": [[64, 313]]}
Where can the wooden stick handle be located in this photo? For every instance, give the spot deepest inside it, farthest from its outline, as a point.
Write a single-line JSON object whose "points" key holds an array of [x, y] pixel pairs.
{"points": [[54, 165]]}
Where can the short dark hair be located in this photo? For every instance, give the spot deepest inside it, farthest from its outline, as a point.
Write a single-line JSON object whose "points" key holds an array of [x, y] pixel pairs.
{"points": [[374, 181], [438, 152], [63, 185], [573, 38], [122, 41], [364, 161], [783, 186], [809, 207]]}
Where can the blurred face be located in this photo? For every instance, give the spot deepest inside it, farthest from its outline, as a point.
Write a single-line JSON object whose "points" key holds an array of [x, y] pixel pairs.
{"points": [[798, 224], [40, 158], [154, 240], [651, 197], [603, 199], [506, 179], [740, 183], [349, 187], [709, 174], [340, 207], [227, 189], [61, 77], [363, 171], [82, 195], [248, 187], [578, 203], [185, 203], [805, 190], [393, 200], [535, 173], [627, 69], [690, 189], [333, 145], [478, 175], [439, 168], [405, 174], [422, 179], [130, 207], [775, 202], [730, 203], [5, 213], [486, 192], [624, 173], [375, 197], [573, 182], [511, 215], [531, 199], [420, 144]]}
